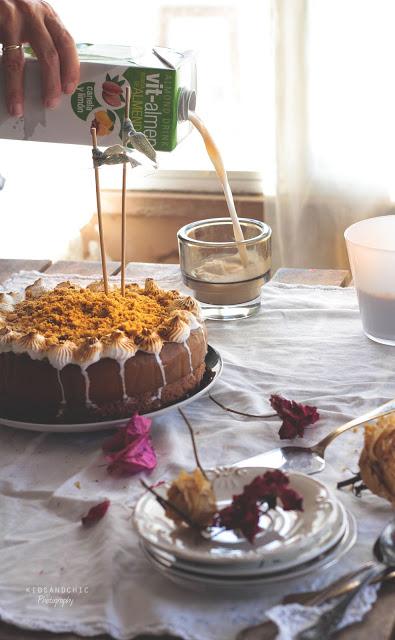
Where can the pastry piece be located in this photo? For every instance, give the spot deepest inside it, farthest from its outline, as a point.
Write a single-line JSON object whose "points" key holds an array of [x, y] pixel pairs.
{"points": [[73, 354], [193, 496], [377, 460]]}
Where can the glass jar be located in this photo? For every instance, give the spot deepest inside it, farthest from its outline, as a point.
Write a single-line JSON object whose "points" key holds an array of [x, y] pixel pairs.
{"points": [[225, 276]]}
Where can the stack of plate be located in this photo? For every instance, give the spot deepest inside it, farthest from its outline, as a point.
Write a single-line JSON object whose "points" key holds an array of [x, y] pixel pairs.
{"points": [[290, 544]]}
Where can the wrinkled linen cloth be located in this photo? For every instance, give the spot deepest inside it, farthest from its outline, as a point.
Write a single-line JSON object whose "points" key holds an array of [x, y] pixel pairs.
{"points": [[307, 344]]}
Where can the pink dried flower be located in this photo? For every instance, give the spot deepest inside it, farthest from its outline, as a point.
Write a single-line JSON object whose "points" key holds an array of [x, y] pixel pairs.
{"points": [[130, 450]]}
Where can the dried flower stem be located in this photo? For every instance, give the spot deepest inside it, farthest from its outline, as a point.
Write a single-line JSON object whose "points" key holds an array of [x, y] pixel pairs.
{"points": [[241, 413], [352, 480], [169, 505], [195, 451], [356, 484]]}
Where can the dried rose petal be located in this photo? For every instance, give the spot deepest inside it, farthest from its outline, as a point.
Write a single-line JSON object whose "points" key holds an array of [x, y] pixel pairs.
{"points": [[244, 512], [266, 485], [295, 416], [291, 500], [95, 513], [242, 515], [130, 450]]}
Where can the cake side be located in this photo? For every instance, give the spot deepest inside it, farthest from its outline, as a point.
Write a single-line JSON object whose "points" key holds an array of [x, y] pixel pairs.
{"points": [[75, 355]]}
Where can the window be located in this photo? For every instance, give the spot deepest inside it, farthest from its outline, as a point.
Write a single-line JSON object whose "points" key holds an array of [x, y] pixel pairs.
{"points": [[352, 95], [233, 42]]}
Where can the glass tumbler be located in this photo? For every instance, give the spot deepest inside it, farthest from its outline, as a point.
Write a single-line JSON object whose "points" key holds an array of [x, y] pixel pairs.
{"points": [[225, 276], [371, 251]]}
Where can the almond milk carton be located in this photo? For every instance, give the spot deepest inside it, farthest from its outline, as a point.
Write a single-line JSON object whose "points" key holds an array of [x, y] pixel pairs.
{"points": [[163, 90]]}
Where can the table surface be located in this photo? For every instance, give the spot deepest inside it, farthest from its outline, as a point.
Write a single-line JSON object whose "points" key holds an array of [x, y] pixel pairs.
{"points": [[380, 622]]}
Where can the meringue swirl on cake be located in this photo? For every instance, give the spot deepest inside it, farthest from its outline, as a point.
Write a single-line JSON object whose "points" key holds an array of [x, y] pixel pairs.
{"points": [[61, 354]]}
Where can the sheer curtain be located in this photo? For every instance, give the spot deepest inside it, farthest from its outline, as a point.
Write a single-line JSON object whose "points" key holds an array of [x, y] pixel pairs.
{"points": [[335, 129]]}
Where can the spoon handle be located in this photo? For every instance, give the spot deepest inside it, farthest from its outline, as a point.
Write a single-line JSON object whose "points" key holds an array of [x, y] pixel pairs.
{"points": [[268, 630], [327, 623], [382, 410]]}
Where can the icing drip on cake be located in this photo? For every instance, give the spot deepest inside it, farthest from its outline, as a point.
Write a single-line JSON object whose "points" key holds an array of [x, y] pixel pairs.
{"points": [[120, 348], [86, 355], [161, 367], [186, 345], [158, 395], [151, 342], [88, 402], [62, 395], [204, 336], [123, 381]]}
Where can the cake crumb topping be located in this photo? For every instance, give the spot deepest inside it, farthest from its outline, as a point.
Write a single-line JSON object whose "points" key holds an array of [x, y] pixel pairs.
{"points": [[77, 314]]}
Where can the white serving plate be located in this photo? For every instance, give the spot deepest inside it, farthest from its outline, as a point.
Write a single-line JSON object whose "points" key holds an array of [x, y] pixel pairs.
{"points": [[242, 585], [238, 570], [288, 535], [213, 362]]}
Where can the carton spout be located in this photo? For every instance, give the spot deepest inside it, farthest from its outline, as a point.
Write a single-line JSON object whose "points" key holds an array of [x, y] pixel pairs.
{"points": [[186, 103]]}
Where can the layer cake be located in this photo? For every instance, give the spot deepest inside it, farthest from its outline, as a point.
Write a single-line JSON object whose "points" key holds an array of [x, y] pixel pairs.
{"points": [[74, 354]]}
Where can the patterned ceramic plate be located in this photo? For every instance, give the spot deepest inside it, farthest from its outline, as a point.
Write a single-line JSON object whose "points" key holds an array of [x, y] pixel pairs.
{"points": [[328, 541], [242, 584], [287, 537]]}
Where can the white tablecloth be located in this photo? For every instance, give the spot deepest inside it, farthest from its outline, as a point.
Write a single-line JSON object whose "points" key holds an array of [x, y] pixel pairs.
{"points": [[306, 344]]}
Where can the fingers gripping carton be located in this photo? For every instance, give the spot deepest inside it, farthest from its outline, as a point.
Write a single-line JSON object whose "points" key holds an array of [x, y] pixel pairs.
{"points": [[163, 89]]}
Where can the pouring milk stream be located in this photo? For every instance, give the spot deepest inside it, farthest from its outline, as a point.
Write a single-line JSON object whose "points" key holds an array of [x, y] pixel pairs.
{"points": [[218, 164]]}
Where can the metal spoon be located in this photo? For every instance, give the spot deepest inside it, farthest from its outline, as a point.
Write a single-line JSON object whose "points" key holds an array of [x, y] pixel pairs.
{"points": [[310, 459], [268, 630], [326, 625]]}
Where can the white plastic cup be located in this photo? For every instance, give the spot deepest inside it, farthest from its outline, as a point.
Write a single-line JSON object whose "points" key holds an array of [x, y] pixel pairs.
{"points": [[371, 251]]}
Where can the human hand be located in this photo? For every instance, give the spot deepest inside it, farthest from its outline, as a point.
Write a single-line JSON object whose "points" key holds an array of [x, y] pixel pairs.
{"points": [[35, 22]]}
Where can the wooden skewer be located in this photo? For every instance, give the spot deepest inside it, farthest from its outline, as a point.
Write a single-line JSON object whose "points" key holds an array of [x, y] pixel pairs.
{"points": [[99, 218], [123, 245]]}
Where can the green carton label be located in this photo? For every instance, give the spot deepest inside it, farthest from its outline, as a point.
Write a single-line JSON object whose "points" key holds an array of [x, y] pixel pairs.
{"points": [[84, 100], [153, 105]]}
